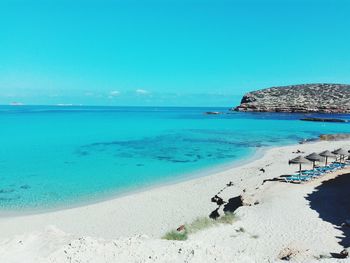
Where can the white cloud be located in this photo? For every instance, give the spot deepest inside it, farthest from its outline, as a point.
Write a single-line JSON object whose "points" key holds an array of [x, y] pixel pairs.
{"points": [[114, 93], [142, 91]]}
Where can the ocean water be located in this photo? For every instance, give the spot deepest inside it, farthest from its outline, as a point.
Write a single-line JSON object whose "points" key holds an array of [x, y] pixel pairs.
{"points": [[52, 157]]}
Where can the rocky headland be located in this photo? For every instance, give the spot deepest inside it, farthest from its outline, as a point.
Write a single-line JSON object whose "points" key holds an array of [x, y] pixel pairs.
{"points": [[322, 98]]}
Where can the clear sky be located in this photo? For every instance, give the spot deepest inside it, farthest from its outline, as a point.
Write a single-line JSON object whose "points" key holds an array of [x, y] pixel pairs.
{"points": [[167, 53]]}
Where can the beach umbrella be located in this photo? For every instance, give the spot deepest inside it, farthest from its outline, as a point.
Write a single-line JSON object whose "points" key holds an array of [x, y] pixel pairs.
{"points": [[342, 152], [314, 157], [299, 160], [327, 154]]}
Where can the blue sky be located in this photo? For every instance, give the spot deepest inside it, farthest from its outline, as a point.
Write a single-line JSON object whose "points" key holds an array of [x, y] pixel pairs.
{"points": [[167, 53]]}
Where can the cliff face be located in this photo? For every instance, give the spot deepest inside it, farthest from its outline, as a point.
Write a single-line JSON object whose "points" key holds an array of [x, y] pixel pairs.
{"points": [[323, 98]]}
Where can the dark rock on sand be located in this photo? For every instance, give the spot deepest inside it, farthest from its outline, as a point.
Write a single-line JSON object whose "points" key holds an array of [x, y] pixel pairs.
{"points": [[323, 98], [218, 200], [232, 204], [215, 214]]}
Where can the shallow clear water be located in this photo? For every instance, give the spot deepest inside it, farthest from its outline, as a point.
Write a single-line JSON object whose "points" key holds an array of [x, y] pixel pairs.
{"points": [[59, 156]]}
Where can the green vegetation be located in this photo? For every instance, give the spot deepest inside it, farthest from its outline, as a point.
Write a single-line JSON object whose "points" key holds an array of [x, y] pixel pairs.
{"points": [[176, 235], [198, 225], [228, 218]]}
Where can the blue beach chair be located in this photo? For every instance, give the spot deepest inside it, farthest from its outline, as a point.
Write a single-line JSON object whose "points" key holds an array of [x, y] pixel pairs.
{"points": [[312, 173], [297, 178]]}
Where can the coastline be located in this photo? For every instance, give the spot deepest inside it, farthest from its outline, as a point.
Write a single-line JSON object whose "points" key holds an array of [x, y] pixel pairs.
{"points": [[258, 153], [217, 176], [140, 219]]}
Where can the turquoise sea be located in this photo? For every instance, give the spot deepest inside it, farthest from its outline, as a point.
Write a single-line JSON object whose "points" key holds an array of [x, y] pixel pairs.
{"points": [[52, 157]]}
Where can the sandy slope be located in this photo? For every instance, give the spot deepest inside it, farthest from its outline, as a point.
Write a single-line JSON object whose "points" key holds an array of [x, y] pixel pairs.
{"points": [[127, 229]]}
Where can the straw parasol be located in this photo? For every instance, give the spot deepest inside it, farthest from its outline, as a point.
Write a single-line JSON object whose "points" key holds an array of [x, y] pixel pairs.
{"points": [[299, 160], [327, 154], [314, 157], [342, 152]]}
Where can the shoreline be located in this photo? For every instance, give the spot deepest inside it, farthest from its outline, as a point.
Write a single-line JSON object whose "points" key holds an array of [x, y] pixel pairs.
{"points": [[213, 181], [256, 154], [129, 228]]}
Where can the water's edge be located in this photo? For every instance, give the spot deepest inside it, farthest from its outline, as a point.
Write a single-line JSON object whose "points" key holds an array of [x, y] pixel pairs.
{"points": [[255, 155]]}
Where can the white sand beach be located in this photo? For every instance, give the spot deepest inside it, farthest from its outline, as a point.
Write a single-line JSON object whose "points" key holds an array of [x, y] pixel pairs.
{"points": [[278, 219]]}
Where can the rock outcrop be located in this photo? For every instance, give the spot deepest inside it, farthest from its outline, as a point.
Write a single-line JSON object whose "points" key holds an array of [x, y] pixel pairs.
{"points": [[323, 98], [323, 120], [335, 137]]}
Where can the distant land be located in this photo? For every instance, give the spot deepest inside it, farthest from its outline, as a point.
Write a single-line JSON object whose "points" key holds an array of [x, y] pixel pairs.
{"points": [[321, 98]]}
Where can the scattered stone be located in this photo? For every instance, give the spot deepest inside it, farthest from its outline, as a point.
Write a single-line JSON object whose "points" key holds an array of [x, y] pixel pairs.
{"points": [[181, 228], [240, 230], [215, 214], [287, 254], [230, 184], [218, 200], [249, 200], [298, 151]]}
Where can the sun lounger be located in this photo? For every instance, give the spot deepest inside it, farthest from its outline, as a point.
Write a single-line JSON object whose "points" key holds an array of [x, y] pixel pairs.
{"points": [[325, 169], [297, 178], [308, 175], [312, 173], [337, 165]]}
